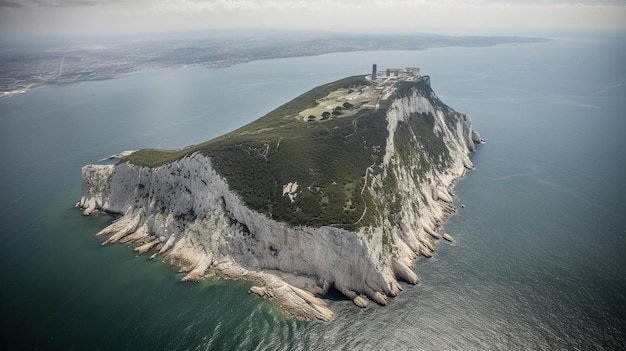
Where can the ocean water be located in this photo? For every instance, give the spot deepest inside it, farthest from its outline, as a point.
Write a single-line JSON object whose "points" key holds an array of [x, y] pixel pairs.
{"points": [[539, 260]]}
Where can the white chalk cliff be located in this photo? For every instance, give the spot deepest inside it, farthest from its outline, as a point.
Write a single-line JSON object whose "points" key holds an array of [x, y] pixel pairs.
{"points": [[186, 212]]}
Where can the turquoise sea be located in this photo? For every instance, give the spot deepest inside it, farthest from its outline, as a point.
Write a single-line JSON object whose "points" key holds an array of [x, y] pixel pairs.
{"points": [[539, 260]]}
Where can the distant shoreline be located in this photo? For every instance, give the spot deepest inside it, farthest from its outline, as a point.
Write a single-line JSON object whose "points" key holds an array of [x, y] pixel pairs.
{"points": [[23, 70]]}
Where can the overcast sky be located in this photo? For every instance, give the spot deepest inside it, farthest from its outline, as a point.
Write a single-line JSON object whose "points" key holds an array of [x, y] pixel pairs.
{"points": [[435, 16]]}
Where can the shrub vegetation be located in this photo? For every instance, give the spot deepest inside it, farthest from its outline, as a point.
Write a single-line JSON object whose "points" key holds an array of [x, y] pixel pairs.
{"points": [[328, 158]]}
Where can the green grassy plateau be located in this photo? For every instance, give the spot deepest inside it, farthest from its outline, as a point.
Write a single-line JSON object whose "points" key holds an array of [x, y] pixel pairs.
{"points": [[328, 140]]}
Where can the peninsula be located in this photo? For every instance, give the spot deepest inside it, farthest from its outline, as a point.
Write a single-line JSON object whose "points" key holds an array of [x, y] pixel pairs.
{"points": [[25, 65], [343, 187]]}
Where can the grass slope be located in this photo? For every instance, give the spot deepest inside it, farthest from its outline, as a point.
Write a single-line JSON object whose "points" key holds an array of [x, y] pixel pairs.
{"points": [[328, 157]]}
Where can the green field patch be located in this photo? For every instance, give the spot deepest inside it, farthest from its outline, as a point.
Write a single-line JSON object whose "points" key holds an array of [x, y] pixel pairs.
{"points": [[341, 103]]}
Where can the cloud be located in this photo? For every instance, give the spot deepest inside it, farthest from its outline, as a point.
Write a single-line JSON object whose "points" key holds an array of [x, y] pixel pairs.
{"points": [[70, 16], [32, 4], [257, 4]]}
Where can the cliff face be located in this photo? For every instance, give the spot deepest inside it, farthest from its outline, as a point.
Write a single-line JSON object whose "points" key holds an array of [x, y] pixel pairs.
{"points": [[186, 211]]}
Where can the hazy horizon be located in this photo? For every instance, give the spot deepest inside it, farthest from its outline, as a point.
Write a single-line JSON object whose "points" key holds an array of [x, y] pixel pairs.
{"points": [[83, 18]]}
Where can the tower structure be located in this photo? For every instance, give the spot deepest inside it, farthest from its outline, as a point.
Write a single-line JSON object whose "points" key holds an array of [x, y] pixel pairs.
{"points": [[374, 72]]}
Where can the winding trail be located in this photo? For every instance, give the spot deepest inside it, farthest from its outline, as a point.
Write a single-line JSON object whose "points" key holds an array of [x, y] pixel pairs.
{"points": [[61, 67], [370, 168]]}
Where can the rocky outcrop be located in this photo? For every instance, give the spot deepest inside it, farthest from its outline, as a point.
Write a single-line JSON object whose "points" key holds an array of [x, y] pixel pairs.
{"points": [[186, 212], [476, 138]]}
